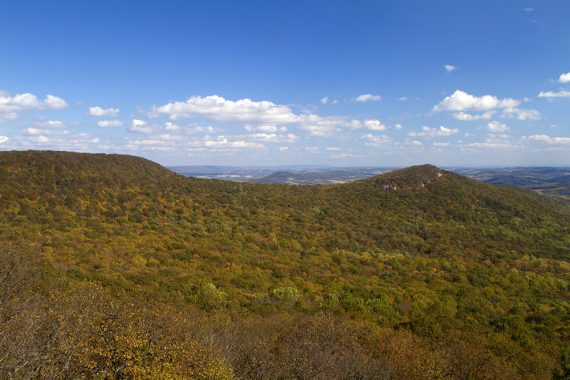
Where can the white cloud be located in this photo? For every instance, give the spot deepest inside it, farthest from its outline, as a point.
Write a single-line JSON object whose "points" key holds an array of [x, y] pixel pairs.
{"points": [[450, 68], [375, 140], [20, 102], [398, 126], [553, 94], [403, 98], [321, 126], [223, 142], [462, 101], [264, 116], [140, 126], [3, 139], [332, 149], [8, 116], [109, 123], [564, 78], [271, 137], [521, 114], [529, 10], [441, 144], [368, 98], [265, 128], [98, 111], [371, 124], [496, 127], [324, 100], [55, 139], [54, 102], [329, 125], [434, 132], [492, 141], [464, 116], [170, 126], [54, 124], [199, 129], [35, 131], [374, 125], [490, 145], [217, 108], [550, 140]]}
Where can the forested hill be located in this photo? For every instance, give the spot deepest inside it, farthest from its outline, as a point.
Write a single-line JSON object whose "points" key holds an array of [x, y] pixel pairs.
{"points": [[413, 209], [420, 250]]}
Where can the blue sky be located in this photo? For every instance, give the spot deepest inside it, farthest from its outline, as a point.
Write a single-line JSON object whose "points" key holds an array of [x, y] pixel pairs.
{"points": [[290, 82]]}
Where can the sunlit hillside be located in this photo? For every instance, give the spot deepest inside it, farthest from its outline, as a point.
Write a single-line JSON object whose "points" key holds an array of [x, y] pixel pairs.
{"points": [[122, 268]]}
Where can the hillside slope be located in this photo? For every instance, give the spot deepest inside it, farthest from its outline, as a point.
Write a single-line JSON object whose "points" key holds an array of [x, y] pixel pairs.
{"points": [[419, 249]]}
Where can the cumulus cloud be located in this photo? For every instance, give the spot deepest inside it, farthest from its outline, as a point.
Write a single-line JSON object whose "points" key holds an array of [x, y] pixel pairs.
{"points": [[564, 78], [321, 126], [170, 126], [398, 126], [324, 100], [492, 141], [550, 140], [490, 145], [521, 114], [450, 68], [464, 116], [36, 131], [55, 139], [271, 137], [223, 142], [496, 127], [8, 116], [371, 124], [263, 116], [12, 104], [199, 129], [434, 132], [51, 124], [220, 109], [109, 123], [462, 101], [3, 139], [554, 94], [99, 111], [54, 102], [140, 126], [376, 140], [368, 98], [374, 125], [265, 128]]}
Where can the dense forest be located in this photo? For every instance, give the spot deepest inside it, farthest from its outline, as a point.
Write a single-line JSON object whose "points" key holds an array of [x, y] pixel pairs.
{"points": [[113, 267]]}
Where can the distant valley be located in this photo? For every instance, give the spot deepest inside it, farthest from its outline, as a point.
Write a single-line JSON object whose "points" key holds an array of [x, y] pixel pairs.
{"points": [[547, 180]]}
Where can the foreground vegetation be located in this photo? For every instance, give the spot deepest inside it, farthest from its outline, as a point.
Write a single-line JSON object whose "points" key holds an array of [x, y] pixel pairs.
{"points": [[138, 272]]}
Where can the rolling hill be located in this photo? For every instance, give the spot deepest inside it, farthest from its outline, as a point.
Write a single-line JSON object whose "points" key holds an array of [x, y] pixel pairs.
{"points": [[433, 258]]}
